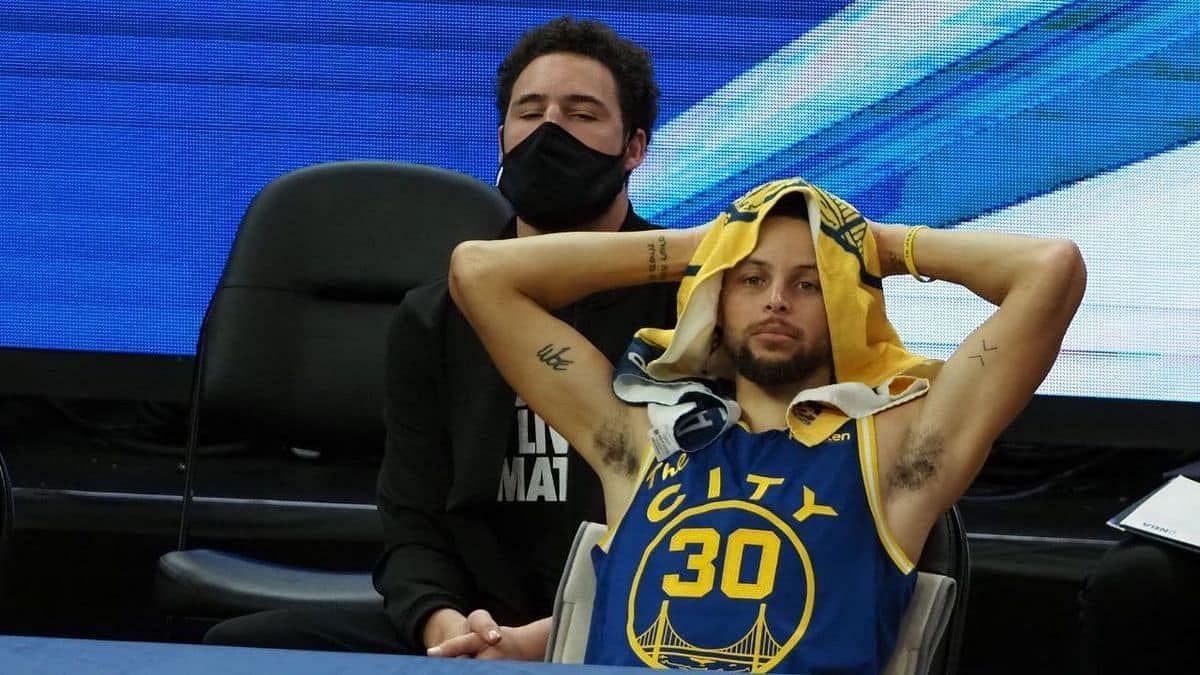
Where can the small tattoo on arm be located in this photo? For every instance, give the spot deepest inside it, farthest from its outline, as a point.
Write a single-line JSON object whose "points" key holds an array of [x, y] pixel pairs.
{"points": [[554, 359], [657, 255], [895, 261], [986, 348]]}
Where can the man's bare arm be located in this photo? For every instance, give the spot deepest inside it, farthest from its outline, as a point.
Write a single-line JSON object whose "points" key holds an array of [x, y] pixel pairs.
{"points": [[506, 289], [940, 442]]}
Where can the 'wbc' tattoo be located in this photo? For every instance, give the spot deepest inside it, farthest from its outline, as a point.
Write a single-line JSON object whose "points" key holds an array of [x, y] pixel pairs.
{"points": [[554, 359], [986, 348]]}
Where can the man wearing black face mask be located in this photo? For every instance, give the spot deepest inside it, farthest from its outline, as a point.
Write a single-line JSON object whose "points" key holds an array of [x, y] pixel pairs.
{"points": [[576, 116], [479, 498], [555, 182]]}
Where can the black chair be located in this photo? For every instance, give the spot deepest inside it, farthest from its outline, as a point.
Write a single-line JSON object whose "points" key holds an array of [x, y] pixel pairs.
{"points": [[947, 553], [292, 346]]}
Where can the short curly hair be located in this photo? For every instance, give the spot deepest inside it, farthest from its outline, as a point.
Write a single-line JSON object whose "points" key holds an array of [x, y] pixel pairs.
{"points": [[628, 62]]}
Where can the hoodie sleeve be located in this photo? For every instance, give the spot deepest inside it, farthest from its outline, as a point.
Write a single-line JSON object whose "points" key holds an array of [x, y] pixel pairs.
{"points": [[420, 570]]}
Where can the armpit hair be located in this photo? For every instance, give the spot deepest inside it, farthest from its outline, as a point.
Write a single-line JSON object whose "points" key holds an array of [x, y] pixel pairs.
{"points": [[612, 439], [919, 461]]}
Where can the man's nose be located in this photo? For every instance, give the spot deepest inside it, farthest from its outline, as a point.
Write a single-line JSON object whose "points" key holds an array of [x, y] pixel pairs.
{"points": [[776, 298], [554, 114]]}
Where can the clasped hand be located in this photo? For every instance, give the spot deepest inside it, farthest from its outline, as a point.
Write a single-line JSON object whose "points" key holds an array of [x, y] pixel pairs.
{"points": [[477, 635]]}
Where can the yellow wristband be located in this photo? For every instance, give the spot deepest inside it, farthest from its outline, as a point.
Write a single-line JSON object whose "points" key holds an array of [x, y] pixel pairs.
{"points": [[909, 238]]}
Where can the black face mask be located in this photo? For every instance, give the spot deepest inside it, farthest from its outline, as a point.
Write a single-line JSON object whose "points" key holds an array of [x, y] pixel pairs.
{"points": [[555, 182]]}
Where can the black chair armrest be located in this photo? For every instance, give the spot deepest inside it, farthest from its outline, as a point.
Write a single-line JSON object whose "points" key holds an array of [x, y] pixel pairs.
{"points": [[215, 584]]}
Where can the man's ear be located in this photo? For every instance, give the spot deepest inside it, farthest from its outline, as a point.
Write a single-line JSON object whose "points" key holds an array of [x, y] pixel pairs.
{"points": [[500, 144], [635, 150]]}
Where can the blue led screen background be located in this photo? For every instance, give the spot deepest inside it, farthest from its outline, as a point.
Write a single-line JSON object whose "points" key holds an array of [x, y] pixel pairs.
{"points": [[133, 135]]}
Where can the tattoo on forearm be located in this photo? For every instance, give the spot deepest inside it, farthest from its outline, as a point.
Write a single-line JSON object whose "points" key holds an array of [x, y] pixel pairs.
{"points": [[986, 348], [555, 359], [657, 254], [919, 461], [895, 261]]}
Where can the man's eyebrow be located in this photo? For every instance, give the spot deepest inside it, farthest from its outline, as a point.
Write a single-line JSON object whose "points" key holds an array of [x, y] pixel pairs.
{"points": [[530, 98], [585, 98], [762, 264], [570, 98]]}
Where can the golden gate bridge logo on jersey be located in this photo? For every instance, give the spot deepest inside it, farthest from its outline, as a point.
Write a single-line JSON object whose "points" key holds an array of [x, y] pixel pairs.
{"points": [[664, 645], [725, 585]]}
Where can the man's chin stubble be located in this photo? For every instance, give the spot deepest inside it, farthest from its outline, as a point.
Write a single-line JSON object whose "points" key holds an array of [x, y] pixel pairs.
{"points": [[772, 372]]}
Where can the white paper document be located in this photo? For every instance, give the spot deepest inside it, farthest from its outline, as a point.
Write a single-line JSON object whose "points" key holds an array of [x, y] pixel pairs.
{"points": [[1170, 513]]}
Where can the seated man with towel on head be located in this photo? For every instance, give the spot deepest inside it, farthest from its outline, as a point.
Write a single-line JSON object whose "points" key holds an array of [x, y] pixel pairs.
{"points": [[771, 467]]}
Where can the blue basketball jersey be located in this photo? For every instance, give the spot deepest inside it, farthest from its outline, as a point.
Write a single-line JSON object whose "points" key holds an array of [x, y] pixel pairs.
{"points": [[755, 553]]}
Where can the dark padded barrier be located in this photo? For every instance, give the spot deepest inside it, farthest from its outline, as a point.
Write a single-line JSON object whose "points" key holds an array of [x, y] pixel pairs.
{"points": [[6, 506]]}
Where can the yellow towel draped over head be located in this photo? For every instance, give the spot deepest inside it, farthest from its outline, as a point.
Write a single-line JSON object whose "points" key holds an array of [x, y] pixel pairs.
{"points": [[866, 349]]}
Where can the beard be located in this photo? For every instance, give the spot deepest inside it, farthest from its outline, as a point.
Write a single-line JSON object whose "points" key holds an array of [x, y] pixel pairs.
{"points": [[773, 372]]}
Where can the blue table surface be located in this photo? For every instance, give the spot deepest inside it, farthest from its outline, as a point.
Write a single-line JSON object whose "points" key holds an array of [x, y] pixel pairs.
{"points": [[21, 655]]}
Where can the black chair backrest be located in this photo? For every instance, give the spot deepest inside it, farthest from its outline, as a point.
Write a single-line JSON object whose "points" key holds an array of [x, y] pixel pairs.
{"points": [[946, 552], [293, 342]]}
